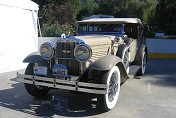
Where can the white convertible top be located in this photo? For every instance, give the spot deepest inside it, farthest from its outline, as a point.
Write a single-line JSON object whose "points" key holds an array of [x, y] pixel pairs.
{"points": [[111, 20]]}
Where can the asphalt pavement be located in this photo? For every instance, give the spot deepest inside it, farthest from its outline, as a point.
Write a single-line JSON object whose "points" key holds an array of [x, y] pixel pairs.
{"points": [[150, 96]]}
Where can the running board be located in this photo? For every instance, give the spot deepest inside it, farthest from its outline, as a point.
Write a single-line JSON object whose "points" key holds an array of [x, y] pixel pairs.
{"points": [[133, 71]]}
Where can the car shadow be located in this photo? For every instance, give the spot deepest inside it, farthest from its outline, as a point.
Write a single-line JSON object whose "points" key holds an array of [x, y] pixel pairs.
{"points": [[163, 70], [165, 81], [157, 66], [78, 104]]}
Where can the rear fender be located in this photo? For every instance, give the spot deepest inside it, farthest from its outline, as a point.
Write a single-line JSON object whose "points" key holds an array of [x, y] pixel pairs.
{"points": [[139, 53]]}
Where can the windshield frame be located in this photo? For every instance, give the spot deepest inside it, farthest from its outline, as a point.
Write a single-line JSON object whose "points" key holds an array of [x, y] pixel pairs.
{"points": [[98, 32]]}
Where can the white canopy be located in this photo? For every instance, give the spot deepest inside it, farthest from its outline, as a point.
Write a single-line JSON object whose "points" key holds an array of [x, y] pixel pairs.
{"points": [[18, 33], [24, 4]]}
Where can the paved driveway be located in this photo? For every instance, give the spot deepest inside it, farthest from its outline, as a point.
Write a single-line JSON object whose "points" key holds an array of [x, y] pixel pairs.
{"points": [[150, 96]]}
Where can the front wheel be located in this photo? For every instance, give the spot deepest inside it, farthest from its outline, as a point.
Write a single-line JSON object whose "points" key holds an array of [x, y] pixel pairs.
{"points": [[34, 90], [113, 79]]}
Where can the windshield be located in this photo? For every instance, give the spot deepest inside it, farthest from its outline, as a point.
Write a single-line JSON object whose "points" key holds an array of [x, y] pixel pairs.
{"points": [[100, 29]]}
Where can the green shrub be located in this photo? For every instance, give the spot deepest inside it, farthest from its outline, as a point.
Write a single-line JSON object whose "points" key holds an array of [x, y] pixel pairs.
{"points": [[55, 30]]}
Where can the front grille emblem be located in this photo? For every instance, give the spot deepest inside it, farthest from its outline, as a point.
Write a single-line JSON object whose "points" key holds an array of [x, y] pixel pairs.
{"points": [[66, 51]]}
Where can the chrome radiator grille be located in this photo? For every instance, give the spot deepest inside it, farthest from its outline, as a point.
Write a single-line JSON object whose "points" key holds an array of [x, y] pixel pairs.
{"points": [[65, 56], [65, 49]]}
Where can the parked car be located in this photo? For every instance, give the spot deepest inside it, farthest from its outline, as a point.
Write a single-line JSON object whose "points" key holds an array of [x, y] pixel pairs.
{"points": [[106, 52]]}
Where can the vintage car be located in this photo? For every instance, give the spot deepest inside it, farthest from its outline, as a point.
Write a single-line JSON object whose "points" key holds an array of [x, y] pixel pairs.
{"points": [[106, 52]]}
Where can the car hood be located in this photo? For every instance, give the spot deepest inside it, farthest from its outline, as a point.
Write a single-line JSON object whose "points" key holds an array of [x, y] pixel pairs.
{"points": [[93, 40]]}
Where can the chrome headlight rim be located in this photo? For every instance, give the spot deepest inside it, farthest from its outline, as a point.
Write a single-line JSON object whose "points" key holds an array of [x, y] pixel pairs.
{"points": [[51, 48], [89, 50]]}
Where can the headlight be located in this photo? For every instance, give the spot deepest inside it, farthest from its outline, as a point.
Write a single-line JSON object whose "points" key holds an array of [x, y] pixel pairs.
{"points": [[47, 50], [82, 52]]}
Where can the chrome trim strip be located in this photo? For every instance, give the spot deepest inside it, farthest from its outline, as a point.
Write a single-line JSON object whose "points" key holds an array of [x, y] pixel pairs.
{"points": [[65, 87], [104, 86], [24, 81], [64, 58], [44, 78], [65, 82], [91, 91], [68, 85], [44, 84], [72, 37]]}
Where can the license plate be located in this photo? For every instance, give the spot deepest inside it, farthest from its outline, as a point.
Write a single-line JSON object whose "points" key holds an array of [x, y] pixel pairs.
{"points": [[40, 70], [60, 71]]}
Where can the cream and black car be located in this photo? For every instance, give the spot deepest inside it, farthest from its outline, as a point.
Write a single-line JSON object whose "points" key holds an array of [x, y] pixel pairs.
{"points": [[106, 52]]}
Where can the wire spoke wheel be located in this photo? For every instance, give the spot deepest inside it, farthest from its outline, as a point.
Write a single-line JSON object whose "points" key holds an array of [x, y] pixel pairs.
{"points": [[112, 78], [126, 59], [113, 87], [144, 63]]}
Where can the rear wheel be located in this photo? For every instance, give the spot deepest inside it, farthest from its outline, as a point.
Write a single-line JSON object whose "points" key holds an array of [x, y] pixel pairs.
{"points": [[34, 90], [142, 63], [113, 79]]}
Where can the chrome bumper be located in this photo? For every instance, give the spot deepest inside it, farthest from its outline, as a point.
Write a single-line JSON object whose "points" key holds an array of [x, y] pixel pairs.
{"points": [[63, 84]]}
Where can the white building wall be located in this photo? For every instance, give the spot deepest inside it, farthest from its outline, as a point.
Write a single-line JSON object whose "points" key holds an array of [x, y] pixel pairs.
{"points": [[161, 45]]}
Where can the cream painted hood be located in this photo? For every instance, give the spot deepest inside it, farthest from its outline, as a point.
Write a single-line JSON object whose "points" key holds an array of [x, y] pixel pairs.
{"points": [[93, 40], [99, 44]]}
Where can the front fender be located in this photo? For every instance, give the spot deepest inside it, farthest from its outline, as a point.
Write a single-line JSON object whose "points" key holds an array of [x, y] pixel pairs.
{"points": [[35, 58], [108, 62], [105, 63]]}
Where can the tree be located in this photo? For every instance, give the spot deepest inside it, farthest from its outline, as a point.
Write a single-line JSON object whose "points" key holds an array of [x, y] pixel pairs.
{"points": [[166, 15], [143, 9], [88, 8], [60, 11], [58, 16], [149, 13]]}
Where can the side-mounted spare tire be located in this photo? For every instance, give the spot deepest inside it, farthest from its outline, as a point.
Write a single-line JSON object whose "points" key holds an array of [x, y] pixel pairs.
{"points": [[125, 56], [113, 79], [36, 91]]}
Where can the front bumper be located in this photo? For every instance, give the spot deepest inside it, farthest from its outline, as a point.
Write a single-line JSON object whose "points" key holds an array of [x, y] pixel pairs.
{"points": [[63, 84]]}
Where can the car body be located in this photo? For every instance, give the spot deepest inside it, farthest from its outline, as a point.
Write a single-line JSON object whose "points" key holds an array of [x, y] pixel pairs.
{"points": [[103, 55]]}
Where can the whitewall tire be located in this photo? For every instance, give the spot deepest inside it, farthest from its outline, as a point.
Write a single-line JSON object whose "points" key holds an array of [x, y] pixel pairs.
{"points": [[113, 80], [143, 63]]}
